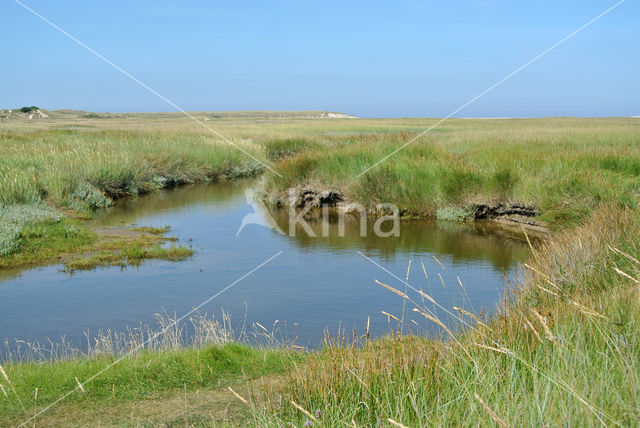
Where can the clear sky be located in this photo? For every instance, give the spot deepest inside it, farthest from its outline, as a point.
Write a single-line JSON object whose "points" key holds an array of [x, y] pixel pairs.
{"points": [[371, 59]]}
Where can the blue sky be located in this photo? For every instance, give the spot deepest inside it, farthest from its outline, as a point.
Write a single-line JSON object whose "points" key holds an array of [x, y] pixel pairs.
{"points": [[371, 59]]}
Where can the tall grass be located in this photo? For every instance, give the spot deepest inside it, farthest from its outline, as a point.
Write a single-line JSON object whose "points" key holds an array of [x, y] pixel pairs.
{"points": [[86, 170], [563, 167]]}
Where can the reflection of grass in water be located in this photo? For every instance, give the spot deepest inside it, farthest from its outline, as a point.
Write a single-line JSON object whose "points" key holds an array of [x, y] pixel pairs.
{"points": [[499, 245]]}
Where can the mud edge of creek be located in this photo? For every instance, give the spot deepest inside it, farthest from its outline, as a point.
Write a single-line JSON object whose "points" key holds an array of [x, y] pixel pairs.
{"points": [[501, 213]]}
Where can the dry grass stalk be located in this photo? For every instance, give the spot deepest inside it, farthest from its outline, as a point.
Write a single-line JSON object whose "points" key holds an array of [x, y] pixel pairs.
{"points": [[469, 314], [545, 277], [4, 375], [626, 275], [445, 328], [303, 410], [425, 271], [588, 311], [491, 348], [535, 333], [526, 235], [491, 413], [426, 296], [3, 390], [441, 280], [616, 250], [238, 396], [396, 424], [435, 320], [390, 316], [441, 265], [547, 330], [546, 290], [79, 385], [393, 290]]}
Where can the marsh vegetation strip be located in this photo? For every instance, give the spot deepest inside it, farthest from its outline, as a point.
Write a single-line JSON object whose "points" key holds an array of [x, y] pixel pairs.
{"points": [[317, 282]]}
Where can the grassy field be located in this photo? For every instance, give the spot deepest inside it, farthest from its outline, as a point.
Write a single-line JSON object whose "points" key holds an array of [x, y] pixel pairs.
{"points": [[564, 350]]}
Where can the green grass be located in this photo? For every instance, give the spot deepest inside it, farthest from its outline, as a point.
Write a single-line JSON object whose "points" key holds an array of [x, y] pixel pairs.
{"points": [[563, 167], [147, 374], [44, 241], [70, 242], [85, 170]]}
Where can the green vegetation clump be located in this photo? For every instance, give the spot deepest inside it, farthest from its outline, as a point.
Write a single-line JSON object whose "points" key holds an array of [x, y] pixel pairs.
{"points": [[283, 148], [130, 255], [28, 109], [14, 219], [455, 213]]}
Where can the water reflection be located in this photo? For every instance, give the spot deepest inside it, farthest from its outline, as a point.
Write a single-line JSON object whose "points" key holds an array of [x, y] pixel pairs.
{"points": [[461, 241], [316, 282]]}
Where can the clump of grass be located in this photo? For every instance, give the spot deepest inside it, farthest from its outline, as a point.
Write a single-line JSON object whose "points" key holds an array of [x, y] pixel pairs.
{"points": [[70, 242], [132, 255], [284, 148], [14, 219], [504, 180], [455, 213], [153, 230]]}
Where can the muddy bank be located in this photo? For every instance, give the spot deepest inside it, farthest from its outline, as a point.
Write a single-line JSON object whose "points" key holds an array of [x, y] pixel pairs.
{"points": [[500, 212]]}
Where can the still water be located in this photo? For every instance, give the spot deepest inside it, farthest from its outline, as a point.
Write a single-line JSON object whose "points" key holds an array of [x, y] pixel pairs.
{"points": [[316, 283]]}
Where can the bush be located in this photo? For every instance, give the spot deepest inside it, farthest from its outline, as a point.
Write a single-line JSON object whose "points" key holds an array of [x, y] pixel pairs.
{"points": [[28, 109]]}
